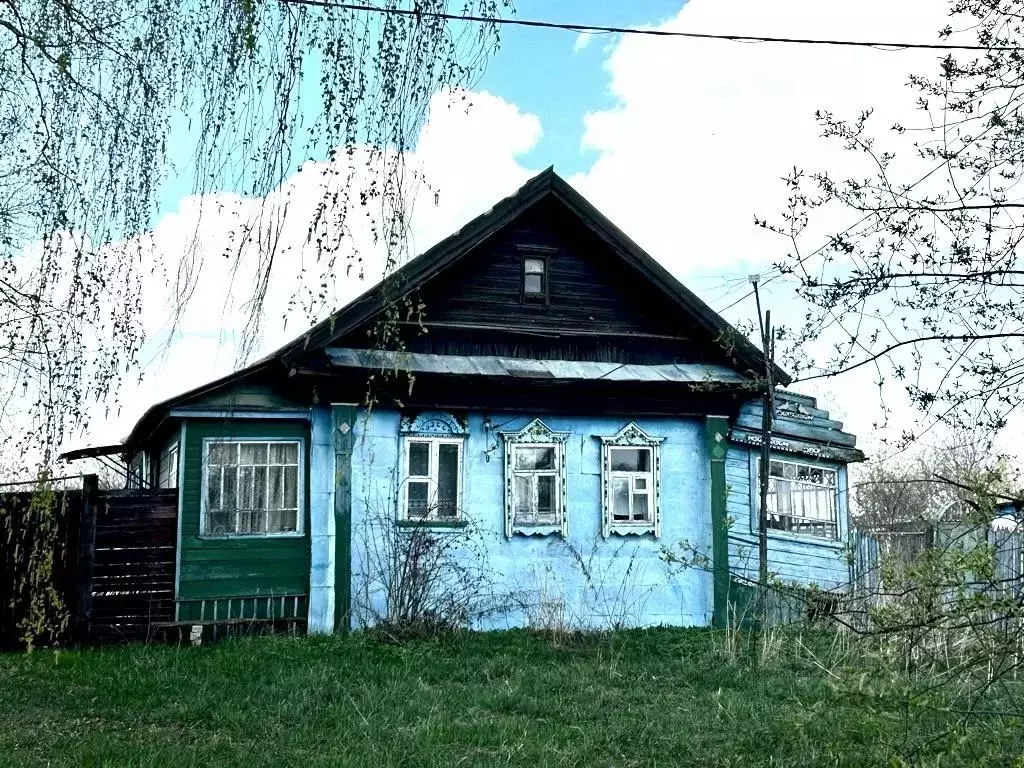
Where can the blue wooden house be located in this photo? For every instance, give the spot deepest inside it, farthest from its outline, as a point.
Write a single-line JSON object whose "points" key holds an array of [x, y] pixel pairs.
{"points": [[537, 378]]}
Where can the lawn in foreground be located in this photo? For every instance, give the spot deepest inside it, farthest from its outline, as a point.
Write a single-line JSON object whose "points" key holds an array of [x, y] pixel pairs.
{"points": [[665, 697]]}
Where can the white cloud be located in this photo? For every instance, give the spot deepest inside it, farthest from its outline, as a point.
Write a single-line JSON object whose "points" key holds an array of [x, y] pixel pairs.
{"points": [[582, 41], [702, 132], [467, 153]]}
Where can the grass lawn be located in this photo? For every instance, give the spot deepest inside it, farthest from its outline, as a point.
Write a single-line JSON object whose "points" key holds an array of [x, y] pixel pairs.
{"points": [[665, 697]]}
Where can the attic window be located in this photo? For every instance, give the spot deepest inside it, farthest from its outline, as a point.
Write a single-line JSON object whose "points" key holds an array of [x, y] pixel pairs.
{"points": [[535, 278]]}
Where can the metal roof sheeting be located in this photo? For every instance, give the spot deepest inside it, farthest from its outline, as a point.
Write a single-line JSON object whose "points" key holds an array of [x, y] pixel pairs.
{"points": [[480, 365]]}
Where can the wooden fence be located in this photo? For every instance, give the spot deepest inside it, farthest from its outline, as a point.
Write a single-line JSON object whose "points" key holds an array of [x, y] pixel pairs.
{"points": [[39, 566], [882, 552], [132, 557], [85, 565]]}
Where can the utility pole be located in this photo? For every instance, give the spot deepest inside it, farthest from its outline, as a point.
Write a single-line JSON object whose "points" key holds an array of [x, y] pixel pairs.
{"points": [[767, 414]]}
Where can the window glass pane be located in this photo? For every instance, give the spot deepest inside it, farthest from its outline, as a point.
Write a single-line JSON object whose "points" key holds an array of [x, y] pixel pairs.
{"points": [[419, 459], [534, 284], [546, 495], [291, 487], [789, 471], [639, 483], [259, 487], [276, 490], [524, 510], [245, 488], [535, 458], [284, 453], [783, 498], [640, 506], [803, 472], [447, 480], [222, 453], [244, 518], [252, 453], [620, 498], [418, 499], [217, 523], [534, 266], [213, 488], [229, 499], [289, 521], [258, 520], [631, 459]]}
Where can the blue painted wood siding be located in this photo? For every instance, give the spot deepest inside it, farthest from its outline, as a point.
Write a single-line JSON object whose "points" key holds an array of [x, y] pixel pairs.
{"points": [[621, 579], [793, 558]]}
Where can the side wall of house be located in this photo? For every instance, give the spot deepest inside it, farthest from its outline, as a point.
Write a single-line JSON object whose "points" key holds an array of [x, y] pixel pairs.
{"points": [[240, 576], [793, 558], [582, 579]]}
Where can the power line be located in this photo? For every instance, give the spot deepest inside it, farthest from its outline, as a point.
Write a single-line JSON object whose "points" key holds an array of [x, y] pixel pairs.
{"points": [[595, 28]]}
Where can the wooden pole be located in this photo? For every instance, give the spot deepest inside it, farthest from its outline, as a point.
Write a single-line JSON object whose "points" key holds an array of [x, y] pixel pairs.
{"points": [[86, 557], [767, 412]]}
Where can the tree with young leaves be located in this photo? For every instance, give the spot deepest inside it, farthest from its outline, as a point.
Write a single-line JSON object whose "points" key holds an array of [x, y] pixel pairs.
{"points": [[926, 286], [89, 92], [932, 485]]}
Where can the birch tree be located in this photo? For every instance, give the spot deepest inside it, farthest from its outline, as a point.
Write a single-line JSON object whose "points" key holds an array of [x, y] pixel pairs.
{"points": [[93, 94]]}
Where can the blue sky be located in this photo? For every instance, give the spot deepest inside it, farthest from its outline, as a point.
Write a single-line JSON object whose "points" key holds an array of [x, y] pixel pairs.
{"points": [[539, 70], [542, 72]]}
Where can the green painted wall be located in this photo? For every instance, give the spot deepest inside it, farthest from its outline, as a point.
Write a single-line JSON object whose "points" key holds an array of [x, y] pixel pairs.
{"points": [[219, 568]]}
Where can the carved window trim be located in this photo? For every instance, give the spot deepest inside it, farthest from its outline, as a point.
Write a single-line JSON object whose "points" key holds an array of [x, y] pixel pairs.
{"points": [[434, 429], [631, 436], [536, 434]]}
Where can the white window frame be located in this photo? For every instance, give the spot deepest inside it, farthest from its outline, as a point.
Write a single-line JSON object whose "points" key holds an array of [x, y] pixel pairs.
{"points": [[836, 519], [431, 479], [536, 434], [631, 437], [300, 514]]}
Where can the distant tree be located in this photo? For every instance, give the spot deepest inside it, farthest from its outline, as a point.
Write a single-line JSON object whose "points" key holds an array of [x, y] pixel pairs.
{"points": [[927, 286], [89, 90], [937, 482]]}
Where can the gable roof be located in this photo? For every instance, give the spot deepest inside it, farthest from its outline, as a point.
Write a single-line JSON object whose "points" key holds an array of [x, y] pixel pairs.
{"points": [[448, 252]]}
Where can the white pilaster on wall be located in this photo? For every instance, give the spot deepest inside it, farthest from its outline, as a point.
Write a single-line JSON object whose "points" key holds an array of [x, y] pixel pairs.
{"points": [[321, 523]]}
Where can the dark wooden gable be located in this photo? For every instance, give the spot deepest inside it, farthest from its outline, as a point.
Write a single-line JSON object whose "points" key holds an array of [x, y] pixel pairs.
{"points": [[598, 307]]}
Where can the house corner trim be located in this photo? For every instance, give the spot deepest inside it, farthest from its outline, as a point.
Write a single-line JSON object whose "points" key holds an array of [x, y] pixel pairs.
{"points": [[343, 424], [717, 431]]}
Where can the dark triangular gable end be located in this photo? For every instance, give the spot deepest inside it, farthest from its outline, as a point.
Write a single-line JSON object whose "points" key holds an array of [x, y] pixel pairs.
{"points": [[650, 303]]}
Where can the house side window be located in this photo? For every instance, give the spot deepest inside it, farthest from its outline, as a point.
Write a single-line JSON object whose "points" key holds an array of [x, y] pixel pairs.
{"points": [[432, 448], [252, 487], [167, 477], [138, 471], [631, 482], [535, 278], [433, 479], [535, 484], [802, 498]]}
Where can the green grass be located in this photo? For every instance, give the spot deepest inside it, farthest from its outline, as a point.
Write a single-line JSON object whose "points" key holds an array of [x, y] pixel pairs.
{"points": [[665, 697]]}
